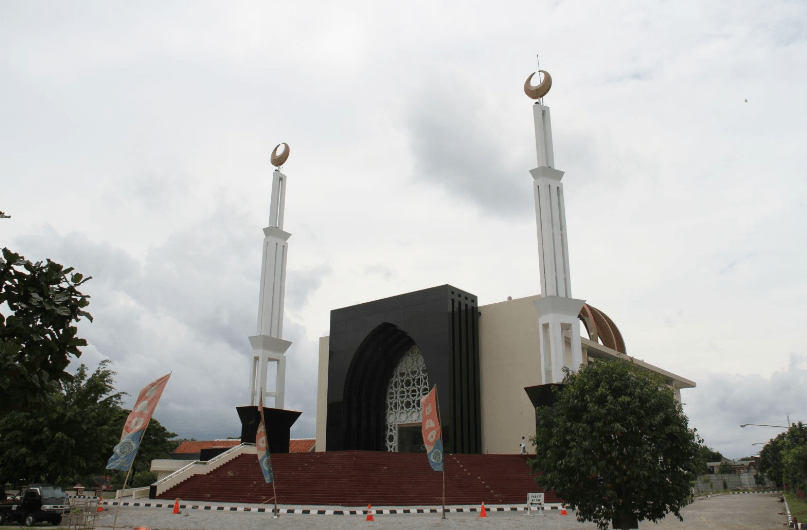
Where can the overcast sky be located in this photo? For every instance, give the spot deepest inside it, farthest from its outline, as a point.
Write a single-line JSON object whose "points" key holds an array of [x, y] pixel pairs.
{"points": [[135, 146]]}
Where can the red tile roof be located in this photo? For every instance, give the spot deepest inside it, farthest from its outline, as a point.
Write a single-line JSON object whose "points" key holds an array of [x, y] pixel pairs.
{"points": [[196, 447], [301, 446], [295, 446]]}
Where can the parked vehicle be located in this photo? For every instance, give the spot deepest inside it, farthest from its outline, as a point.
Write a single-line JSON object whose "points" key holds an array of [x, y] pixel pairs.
{"points": [[35, 503]]}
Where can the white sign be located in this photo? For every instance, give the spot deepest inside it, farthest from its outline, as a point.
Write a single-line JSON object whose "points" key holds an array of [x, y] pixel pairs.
{"points": [[535, 498]]}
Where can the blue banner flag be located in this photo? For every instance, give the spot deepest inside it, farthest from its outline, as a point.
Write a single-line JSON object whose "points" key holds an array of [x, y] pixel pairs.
{"points": [[263, 452], [136, 424], [125, 451]]}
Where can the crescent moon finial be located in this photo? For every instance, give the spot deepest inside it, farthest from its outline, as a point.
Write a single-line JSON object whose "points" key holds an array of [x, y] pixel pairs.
{"points": [[537, 92], [279, 160]]}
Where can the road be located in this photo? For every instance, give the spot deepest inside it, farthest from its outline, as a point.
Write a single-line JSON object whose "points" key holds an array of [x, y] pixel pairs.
{"points": [[758, 511]]}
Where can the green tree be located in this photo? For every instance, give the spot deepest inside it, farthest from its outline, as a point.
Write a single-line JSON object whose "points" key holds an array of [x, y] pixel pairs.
{"points": [[770, 459], [726, 468], [71, 437], [37, 336], [706, 455], [794, 456], [616, 446]]}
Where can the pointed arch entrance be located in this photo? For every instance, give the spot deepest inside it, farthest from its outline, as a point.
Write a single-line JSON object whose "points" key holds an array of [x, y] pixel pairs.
{"points": [[407, 385], [366, 387], [366, 343]]}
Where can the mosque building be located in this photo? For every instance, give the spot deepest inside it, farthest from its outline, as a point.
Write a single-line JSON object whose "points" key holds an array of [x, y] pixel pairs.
{"points": [[491, 363]]}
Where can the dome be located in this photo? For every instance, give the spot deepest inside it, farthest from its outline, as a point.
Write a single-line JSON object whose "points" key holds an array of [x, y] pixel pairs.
{"points": [[601, 328]]}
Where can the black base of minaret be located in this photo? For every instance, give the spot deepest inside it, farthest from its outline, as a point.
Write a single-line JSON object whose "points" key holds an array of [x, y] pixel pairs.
{"points": [[278, 426], [542, 395]]}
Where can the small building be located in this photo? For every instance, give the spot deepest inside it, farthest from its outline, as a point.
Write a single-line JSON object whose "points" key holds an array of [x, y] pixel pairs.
{"points": [[193, 451]]}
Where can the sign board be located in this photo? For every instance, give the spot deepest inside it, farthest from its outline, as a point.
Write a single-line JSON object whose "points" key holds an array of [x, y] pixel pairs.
{"points": [[535, 498]]}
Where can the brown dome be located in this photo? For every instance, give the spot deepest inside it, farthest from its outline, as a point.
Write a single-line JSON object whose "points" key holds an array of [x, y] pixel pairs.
{"points": [[601, 329]]}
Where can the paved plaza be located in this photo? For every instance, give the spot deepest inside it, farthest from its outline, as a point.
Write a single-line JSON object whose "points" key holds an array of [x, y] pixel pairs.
{"points": [[760, 511]]}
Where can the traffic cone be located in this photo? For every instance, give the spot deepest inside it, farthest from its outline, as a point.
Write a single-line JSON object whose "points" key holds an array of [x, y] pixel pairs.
{"points": [[482, 512], [563, 510], [370, 513], [176, 506], [100, 508]]}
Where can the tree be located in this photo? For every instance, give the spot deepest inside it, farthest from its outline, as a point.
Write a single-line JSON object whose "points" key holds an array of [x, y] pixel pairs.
{"points": [[616, 446], [770, 459], [794, 456], [37, 339], [706, 455], [71, 437], [726, 467]]}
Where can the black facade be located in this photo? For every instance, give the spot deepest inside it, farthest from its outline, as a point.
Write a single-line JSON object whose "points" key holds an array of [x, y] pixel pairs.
{"points": [[368, 340]]}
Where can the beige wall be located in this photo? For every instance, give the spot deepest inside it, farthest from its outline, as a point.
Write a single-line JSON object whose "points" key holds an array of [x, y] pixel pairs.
{"points": [[509, 360], [322, 393]]}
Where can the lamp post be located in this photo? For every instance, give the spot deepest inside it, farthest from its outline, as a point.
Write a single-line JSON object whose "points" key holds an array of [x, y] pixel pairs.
{"points": [[763, 425]]}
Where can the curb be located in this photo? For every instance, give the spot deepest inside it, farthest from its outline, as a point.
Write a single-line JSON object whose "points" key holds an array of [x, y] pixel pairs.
{"points": [[301, 511]]}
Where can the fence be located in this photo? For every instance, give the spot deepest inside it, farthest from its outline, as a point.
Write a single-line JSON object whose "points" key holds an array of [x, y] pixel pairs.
{"points": [[729, 481]]}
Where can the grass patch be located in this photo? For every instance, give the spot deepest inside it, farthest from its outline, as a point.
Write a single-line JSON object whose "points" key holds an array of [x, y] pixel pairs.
{"points": [[798, 507]]}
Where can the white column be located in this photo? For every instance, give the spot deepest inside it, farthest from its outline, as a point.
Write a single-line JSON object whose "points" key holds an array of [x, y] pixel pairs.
{"points": [[553, 248], [268, 345], [557, 310], [543, 136], [273, 282]]}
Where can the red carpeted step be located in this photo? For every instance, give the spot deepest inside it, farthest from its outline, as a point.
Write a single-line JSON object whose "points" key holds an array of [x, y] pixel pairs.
{"points": [[356, 478]]}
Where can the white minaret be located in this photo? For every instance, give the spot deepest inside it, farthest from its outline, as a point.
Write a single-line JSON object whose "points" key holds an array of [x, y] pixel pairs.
{"points": [[268, 345], [557, 309]]}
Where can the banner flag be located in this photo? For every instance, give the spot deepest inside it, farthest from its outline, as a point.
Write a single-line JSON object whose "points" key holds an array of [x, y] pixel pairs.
{"points": [[262, 444], [136, 424], [432, 433]]}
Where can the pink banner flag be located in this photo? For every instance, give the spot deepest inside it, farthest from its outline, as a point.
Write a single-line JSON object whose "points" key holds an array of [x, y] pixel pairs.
{"points": [[136, 424], [262, 445], [430, 428]]}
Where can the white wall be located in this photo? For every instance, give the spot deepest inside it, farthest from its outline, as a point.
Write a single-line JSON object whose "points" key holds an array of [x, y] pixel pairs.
{"points": [[322, 393]]}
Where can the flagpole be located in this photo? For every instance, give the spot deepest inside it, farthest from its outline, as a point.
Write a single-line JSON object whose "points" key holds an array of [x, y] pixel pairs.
{"points": [[120, 501], [274, 489], [126, 480], [440, 419]]}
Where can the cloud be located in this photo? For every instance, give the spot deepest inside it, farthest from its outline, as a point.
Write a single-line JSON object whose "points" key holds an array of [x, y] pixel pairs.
{"points": [[723, 402], [186, 306], [456, 144]]}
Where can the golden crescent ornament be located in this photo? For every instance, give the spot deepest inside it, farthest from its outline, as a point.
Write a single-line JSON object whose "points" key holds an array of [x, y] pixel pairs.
{"points": [[537, 92], [279, 160]]}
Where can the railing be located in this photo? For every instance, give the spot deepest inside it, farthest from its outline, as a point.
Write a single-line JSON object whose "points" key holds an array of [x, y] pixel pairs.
{"points": [[136, 493], [199, 467]]}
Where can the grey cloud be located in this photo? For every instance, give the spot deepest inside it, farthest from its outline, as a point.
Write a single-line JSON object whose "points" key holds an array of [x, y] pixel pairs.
{"points": [[722, 402], [454, 143], [388, 273], [302, 283], [187, 306]]}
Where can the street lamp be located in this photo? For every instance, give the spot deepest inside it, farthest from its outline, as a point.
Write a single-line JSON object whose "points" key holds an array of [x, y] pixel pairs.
{"points": [[762, 425]]}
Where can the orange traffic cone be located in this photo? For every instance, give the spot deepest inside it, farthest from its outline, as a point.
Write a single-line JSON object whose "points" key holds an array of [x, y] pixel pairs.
{"points": [[482, 512], [370, 513], [563, 510], [100, 507], [176, 506]]}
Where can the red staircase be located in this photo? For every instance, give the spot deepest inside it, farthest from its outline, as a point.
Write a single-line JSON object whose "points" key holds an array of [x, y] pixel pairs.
{"points": [[358, 478]]}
